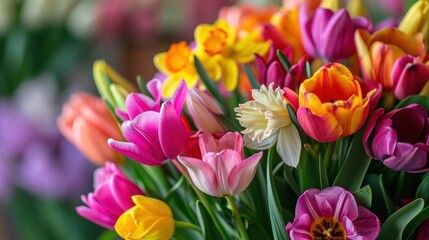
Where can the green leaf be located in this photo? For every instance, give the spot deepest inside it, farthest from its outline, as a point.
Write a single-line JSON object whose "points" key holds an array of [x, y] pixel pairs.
{"points": [[412, 226], [422, 100], [423, 190], [277, 224], [109, 235], [355, 166], [141, 83], [208, 229], [251, 76], [363, 196], [387, 201], [284, 61], [308, 69], [324, 182], [209, 83], [396, 223]]}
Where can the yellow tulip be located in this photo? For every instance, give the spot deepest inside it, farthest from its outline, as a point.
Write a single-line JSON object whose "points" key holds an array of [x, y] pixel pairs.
{"points": [[416, 20], [148, 219]]}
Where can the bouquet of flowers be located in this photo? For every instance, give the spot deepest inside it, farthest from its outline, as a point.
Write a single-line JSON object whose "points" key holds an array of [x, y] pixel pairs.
{"points": [[305, 122]]}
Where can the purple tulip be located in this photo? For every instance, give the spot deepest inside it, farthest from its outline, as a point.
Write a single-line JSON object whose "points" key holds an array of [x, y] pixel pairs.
{"points": [[330, 35], [409, 75], [400, 138], [271, 70], [423, 230], [223, 171], [111, 197], [332, 214], [155, 136]]}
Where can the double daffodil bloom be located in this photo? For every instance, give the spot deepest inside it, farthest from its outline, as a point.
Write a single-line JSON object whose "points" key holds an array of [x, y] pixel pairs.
{"points": [[219, 43], [148, 219], [266, 121], [331, 105]]}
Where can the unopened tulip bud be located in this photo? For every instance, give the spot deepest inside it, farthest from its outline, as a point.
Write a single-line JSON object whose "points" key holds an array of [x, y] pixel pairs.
{"points": [[417, 20]]}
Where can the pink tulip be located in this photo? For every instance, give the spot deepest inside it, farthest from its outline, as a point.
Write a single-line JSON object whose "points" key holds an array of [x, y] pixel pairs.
{"points": [[111, 197], [154, 136], [222, 171], [332, 213], [86, 122], [136, 103], [204, 111], [409, 75]]}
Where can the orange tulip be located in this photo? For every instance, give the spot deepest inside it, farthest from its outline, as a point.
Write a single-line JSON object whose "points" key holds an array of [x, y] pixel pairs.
{"points": [[378, 52], [87, 123], [331, 105]]}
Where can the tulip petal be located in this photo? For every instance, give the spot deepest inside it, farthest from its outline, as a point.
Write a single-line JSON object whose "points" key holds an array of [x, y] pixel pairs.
{"points": [[408, 157], [324, 128], [95, 217], [222, 163], [412, 80], [140, 154], [179, 97], [367, 225], [122, 191], [369, 129], [289, 145], [202, 175], [384, 142], [231, 140], [92, 142], [172, 133], [242, 173]]}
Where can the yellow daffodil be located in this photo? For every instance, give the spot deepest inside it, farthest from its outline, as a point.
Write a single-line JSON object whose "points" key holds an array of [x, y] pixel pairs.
{"points": [[148, 219], [219, 43]]}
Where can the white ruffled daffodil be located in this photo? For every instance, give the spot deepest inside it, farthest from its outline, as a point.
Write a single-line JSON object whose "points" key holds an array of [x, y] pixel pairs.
{"points": [[266, 121]]}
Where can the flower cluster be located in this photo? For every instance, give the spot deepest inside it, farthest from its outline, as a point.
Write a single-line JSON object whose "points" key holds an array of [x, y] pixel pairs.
{"points": [[310, 109]]}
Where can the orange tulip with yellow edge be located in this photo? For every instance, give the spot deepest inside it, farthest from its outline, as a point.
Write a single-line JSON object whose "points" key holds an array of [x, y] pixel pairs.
{"points": [[331, 105], [286, 23], [378, 52], [148, 219], [219, 43]]}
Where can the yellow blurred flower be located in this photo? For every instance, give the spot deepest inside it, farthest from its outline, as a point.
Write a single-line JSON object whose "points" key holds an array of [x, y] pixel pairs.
{"points": [[148, 219], [219, 43], [417, 20]]}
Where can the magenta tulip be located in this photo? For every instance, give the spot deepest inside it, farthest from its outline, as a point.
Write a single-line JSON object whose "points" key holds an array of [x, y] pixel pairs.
{"points": [[154, 137], [222, 171], [409, 75], [271, 70], [400, 138], [332, 214], [329, 35], [111, 197], [137, 103]]}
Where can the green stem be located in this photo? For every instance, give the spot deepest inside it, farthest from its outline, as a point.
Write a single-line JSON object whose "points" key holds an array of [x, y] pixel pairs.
{"points": [[237, 217], [206, 204], [329, 152], [182, 224]]}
